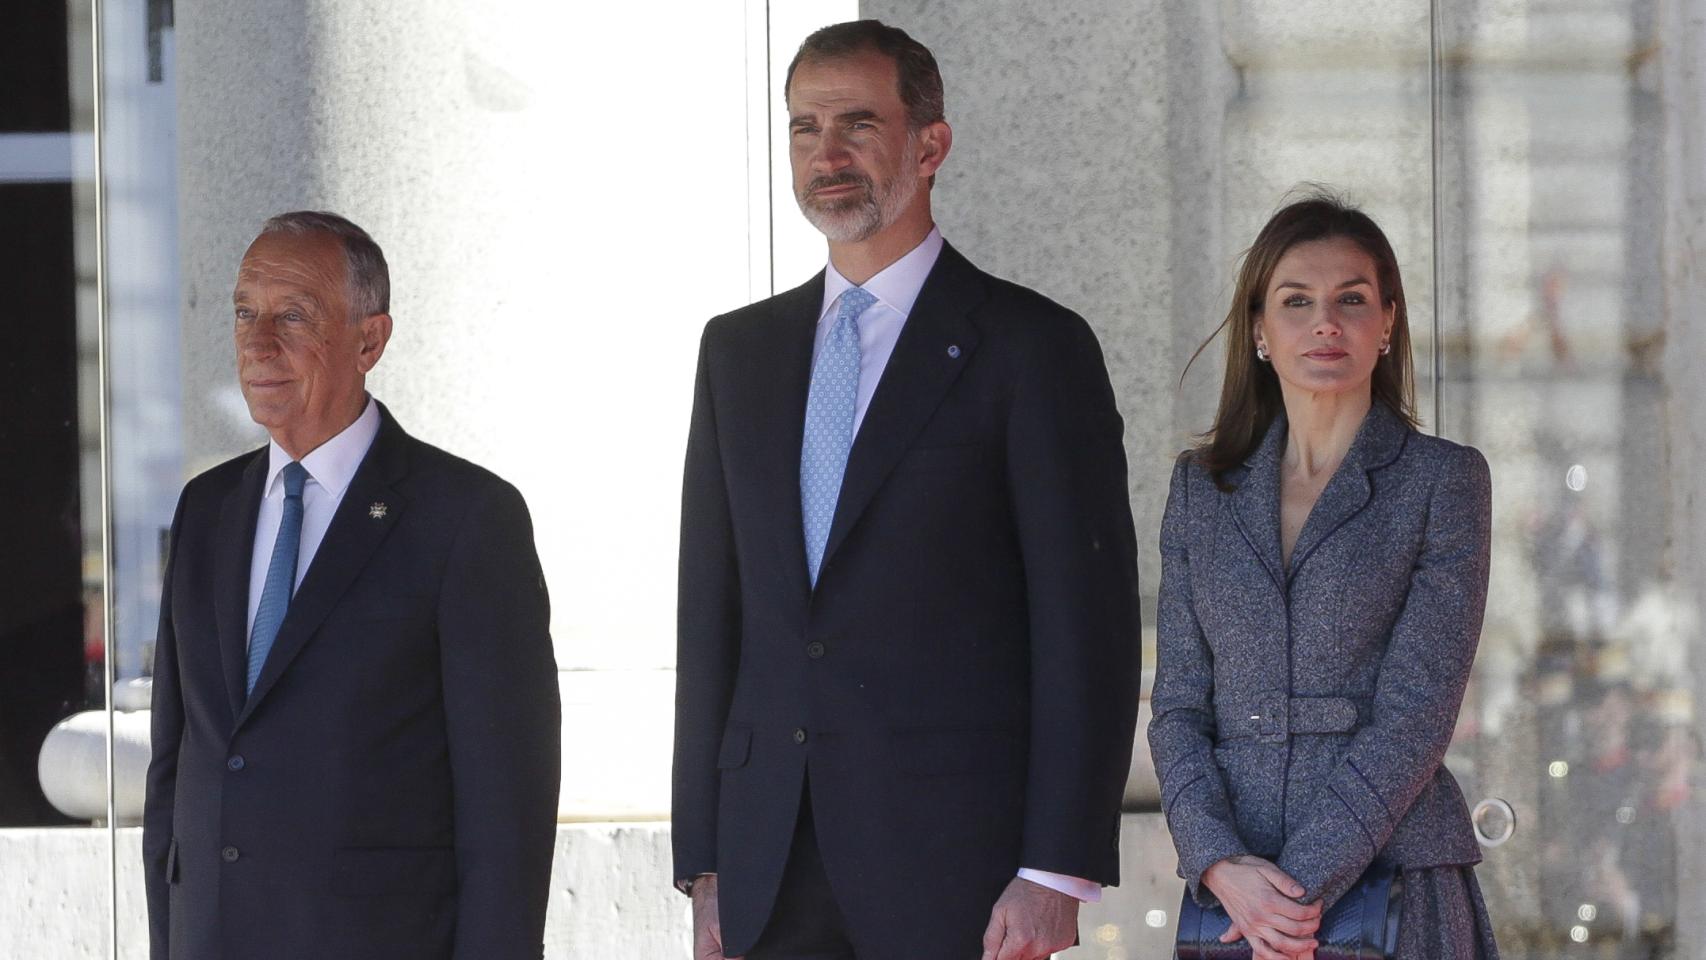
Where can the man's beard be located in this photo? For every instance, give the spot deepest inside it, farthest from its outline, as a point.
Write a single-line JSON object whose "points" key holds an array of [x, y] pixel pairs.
{"points": [[861, 216]]}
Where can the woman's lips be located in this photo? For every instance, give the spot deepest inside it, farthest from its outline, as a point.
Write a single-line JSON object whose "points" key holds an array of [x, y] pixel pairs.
{"points": [[1326, 353]]}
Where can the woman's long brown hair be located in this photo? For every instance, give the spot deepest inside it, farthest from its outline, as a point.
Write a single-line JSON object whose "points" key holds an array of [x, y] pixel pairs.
{"points": [[1250, 392]]}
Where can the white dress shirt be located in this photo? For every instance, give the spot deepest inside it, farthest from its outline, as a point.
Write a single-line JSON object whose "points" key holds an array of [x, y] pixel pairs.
{"points": [[331, 466], [896, 288]]}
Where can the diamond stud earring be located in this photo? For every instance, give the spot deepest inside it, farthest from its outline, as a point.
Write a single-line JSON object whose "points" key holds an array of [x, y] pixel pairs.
{"points": [[1262, 352]]}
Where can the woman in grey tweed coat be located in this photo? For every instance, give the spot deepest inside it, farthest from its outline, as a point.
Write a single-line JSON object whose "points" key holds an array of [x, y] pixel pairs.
{"points": [[1324, 571]]}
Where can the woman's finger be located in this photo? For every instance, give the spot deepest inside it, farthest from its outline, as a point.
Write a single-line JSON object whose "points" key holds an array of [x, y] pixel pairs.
{"points": [[1281, 880]]}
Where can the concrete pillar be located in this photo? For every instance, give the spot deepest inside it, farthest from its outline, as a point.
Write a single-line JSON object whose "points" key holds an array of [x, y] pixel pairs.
{"points": [[551, 187]]}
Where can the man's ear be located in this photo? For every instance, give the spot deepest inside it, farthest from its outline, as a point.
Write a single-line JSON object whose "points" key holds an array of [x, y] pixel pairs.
{"points": [[934, 141], [375, 334]]}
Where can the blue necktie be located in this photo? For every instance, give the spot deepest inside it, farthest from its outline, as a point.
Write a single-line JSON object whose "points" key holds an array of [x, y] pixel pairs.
{"points": [[281, 573], [829, 423]]}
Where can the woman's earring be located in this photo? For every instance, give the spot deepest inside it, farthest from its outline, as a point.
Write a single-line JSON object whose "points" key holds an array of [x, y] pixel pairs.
{"points": [[1262, 352], [1385, 347]]}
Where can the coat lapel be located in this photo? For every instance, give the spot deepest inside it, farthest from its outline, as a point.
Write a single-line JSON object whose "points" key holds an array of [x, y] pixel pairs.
{"points": [[1377, 444], [1256, 502], [779, 413], [934, 346], [349, 542], [237, 516]]}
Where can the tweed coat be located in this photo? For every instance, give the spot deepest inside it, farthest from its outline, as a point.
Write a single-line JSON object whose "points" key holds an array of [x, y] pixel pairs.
{"points": [[1301, 714]]}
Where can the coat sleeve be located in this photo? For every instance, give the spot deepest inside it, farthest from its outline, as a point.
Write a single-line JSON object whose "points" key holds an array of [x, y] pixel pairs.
{"points": [[503, 721], [707, 635], [1182, 724], [1071, 509], [1417, 694], [166, 730]]}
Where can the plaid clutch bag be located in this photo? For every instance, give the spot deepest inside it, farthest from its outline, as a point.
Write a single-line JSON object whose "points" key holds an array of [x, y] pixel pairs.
{"points": [[1362, 925]]}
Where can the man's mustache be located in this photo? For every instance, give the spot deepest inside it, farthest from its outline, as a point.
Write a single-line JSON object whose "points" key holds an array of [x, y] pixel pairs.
{"points": [[847, 179]]}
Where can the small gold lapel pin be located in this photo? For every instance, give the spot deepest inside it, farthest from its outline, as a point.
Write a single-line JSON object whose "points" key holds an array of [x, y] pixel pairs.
{"points": [[377, 511]]}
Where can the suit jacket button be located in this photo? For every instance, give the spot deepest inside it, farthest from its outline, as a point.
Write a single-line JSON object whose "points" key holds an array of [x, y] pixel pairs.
{"points": [[234, 764], [229, 854], [814, 650], [800, 735]]}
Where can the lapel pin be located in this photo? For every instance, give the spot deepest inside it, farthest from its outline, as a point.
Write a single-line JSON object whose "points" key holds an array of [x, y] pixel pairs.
{"points": [[953, 351], [377, 511]]}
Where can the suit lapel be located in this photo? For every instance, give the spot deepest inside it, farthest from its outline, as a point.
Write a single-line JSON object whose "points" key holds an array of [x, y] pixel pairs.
{"points": [[1256, 502], [778, 412], [917, 377], [237, 515], [350, 540], [1377, 444]]}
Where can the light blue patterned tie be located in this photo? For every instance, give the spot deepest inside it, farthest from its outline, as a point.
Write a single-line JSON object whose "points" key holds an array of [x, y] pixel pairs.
{"points": [[281, 573], [829, 423]]}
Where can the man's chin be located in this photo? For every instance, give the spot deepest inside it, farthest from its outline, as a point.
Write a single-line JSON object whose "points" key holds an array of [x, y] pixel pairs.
{"points": [[841, 226]]}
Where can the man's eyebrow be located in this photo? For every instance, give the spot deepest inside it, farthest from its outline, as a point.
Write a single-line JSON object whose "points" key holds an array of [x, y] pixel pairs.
{"points": [[854, 116]]}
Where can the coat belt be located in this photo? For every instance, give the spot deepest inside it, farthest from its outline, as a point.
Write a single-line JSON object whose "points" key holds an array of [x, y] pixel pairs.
{"points": [[1276, 717]]}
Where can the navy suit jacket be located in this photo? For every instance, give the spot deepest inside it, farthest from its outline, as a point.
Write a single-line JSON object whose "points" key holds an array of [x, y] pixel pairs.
{"points": [[389, 788], [962, 684], [1301, 713]]}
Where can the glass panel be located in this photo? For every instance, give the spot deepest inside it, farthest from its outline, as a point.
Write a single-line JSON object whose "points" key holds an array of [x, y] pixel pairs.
{"points": [[54, 849], [139, 76], [1582, 714]]}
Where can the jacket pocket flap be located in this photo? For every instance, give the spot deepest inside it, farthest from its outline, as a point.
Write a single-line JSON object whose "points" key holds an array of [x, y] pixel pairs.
{"points": [[737, 747]]}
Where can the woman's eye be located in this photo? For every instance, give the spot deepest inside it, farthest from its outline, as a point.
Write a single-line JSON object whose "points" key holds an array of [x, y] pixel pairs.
{"points": [[1297, 301], [1352, 298]]}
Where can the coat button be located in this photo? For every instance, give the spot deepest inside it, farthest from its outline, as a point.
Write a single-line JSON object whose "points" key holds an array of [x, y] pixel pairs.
{"points": [[234, 764], [229, 854], [800, 735], [814, 650]]}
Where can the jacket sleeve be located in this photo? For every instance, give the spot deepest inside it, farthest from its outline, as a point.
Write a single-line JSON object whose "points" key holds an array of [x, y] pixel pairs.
{"points": [[503, 721], [1417, 694], [166, 722], [1071, 509], [707, 635], [1182, 724]]}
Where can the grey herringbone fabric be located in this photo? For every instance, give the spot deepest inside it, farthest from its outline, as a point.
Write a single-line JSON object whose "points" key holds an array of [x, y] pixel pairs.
{"points": [[1301, 714]]}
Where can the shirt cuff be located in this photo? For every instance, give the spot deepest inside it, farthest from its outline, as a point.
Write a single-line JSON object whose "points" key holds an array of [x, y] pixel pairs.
{"points": [[1088, 891]]}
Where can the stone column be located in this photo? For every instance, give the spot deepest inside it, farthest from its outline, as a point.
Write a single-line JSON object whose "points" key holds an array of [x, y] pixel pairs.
{"points": [[550, 184]]}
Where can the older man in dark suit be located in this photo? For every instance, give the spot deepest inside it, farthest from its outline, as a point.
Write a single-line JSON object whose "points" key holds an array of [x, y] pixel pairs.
{"points": [[356, 718], [908, 607]]}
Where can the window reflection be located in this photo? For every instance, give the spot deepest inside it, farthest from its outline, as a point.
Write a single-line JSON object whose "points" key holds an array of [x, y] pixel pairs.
{"points": [[51, 645]]}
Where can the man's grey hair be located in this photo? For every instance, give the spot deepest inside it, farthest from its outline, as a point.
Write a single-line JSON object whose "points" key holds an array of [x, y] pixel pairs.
{"points": [[369, 277]]}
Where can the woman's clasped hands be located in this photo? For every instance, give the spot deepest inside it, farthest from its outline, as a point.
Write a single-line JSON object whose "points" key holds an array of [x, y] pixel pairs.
{"points": [[1261, 900]]}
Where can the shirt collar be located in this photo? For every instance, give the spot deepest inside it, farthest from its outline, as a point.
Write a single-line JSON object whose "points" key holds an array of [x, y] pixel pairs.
{"points": [[332, 464], [896, 285]]}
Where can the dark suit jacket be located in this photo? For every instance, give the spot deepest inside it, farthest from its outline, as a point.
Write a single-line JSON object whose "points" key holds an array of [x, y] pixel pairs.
{"points": [[962, 684], [1302, 714], [389, 788]]}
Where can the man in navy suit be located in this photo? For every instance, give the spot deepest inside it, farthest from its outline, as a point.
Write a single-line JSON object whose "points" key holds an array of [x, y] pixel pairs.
{"points": [[356, 718], [908, 639]]}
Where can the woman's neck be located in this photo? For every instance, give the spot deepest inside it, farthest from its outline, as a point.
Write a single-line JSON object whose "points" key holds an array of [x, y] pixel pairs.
{"points": [[1320, 428]]}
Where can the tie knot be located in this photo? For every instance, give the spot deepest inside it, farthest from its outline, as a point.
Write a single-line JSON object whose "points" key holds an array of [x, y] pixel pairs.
{"points": [[855, 301], [295, 478]]}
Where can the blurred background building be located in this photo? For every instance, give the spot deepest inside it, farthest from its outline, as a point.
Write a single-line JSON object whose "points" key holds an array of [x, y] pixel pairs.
{"points": [[532, 169]]}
